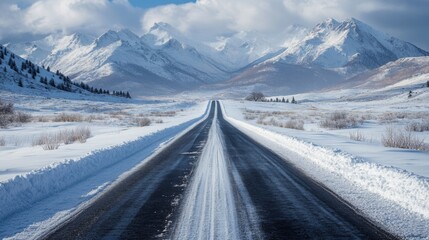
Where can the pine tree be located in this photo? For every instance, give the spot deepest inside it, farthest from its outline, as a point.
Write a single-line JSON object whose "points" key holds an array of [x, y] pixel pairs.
{"points": [[128, 95], [20, 84], [427, 84], [287, 100], [52, 82], [4, 69], [283, 100], [48, 69], [293, 100]]}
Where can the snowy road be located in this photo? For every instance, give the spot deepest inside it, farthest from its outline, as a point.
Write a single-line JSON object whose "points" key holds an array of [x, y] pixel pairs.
{"points": [[217, 183]]}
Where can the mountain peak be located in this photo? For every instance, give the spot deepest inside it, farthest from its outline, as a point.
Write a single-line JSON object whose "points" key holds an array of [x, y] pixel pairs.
{"points": [[350, 46], [112, 36]]}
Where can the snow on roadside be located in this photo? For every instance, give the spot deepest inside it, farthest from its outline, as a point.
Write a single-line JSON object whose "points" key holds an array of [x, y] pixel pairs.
{"points": [[23, 191], [391, 196]]}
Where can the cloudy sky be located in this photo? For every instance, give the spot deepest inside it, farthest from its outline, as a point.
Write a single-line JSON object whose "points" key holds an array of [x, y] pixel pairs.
{"points": [[207, 19]]}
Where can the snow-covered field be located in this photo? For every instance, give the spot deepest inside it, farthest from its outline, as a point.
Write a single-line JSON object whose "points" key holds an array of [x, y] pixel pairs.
{"points": [[390, 185], [29, 173]]}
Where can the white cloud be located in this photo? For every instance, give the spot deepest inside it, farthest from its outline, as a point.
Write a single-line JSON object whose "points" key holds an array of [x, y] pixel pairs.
{"points": [[207, 19], [47, 16]]}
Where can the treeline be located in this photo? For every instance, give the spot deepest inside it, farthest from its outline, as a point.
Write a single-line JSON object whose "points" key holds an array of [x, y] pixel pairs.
{"points": [[283, 100], [260, 97], [31, 71], [103, 91]]}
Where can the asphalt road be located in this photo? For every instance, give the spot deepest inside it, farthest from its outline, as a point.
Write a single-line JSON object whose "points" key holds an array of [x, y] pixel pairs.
{"points": [[217, 183]]}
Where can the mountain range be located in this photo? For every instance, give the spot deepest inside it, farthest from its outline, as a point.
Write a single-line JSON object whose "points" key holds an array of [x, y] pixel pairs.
{"points": [[164, 61]]}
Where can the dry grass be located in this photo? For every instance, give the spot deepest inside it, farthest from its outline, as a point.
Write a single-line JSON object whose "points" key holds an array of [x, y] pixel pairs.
{"points": [[293, 124], [21, 117], [340, 120], [163, 114], [400, 138], [421, 126], [54, 140], [68, 117], [142, 122], [9, 116], [119, 113], [357, 136], [42, 118], [94, 117]]}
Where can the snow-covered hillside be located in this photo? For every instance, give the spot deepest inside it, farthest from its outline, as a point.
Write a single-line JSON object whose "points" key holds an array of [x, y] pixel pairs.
{"points": [[22, 76], [277, 78], [405, 72], [350, 47]]}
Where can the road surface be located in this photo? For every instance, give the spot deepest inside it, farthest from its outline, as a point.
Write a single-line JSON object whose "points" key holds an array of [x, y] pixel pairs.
{"points": [[216, 183]]}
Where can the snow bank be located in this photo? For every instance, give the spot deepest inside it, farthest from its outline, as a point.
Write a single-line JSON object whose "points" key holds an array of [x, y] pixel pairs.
{"points": [[342, 172], [21, 191]]}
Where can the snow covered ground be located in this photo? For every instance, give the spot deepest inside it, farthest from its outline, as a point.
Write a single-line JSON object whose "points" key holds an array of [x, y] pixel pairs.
{"points": [[51, 181], [390, 185]]}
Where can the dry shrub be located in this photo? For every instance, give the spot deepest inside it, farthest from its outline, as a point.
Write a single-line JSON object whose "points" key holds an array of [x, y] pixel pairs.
{"points": [[143, 122], [389, 117], [163, 114], [340, 120], [79, 134], [48, 141], [42, 118], [119, 113], [54, 140], [400, 138], [21, 117], [6, 108], [421, 126], [9, 116], [68, 117], [294, 124], [357, 136], [94, 117]]}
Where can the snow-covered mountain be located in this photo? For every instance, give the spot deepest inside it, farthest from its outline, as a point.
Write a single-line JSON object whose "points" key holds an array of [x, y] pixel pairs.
{"points": [[349, 47], [152, 64], [227, 53], [164, 60], [406, 72]]}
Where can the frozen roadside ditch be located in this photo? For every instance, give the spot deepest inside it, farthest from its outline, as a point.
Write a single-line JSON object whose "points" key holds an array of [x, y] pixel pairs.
{"points": [[391, 196], [99, 167]]}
